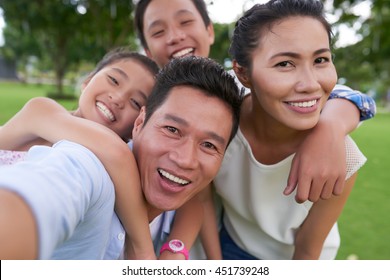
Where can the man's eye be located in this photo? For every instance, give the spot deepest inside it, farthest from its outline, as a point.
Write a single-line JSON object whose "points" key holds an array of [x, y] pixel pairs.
{"points": [[209, 145], [172, 129]]}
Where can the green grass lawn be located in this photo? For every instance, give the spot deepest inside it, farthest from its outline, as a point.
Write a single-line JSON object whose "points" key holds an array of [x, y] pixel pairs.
{"points": [[365, 222]]}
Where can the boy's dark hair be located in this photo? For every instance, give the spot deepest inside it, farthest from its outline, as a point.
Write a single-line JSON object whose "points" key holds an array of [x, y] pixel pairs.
{"points": [[122, 53], [250, 27], [200, 73], [140, 12]]}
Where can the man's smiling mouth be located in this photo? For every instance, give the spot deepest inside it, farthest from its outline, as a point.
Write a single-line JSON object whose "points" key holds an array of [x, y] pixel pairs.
{"points": [[173, 178]]}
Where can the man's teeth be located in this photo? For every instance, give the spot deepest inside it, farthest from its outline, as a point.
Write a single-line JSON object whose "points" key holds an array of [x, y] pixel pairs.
{"points": [[182, 52], [173, 178], [105, 111], [305, 104]]}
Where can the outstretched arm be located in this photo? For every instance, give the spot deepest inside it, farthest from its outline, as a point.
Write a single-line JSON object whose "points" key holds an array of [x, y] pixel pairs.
{"points": [[44, 118], [318, 167]]}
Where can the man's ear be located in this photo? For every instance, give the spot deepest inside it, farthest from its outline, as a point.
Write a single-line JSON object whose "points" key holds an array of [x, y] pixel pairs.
{"points": [[242, 74], [139, 122]]}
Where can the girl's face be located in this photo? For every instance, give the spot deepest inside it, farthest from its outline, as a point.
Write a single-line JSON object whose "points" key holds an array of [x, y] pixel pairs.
{"points": [[292, 72], [175, 28], [114, 96]]}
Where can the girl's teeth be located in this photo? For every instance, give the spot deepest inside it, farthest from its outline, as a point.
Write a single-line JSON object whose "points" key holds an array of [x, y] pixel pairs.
{"points": [[105, 111]]}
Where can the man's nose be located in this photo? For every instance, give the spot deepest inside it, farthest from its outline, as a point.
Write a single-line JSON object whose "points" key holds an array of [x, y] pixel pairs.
{"points": [[185, 155]]}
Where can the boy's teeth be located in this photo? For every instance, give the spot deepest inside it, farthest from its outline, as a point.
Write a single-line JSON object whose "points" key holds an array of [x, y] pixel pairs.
{"points": [[305, 104], [182, 53], [105, 111], [173, 178]]}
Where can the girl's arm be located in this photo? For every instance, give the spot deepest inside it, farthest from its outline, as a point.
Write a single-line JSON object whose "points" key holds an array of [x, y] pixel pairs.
{"points": [[322, 216], [209, 232], [197, 215], [186, 226], [319, 164], [44, 118]]}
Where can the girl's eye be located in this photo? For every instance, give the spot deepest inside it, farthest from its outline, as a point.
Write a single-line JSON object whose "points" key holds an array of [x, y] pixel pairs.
{"points": [[136, 104], [113, 80], [184, 22]]}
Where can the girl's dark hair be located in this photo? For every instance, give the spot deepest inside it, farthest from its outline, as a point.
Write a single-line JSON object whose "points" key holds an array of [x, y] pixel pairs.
{"points": [[250, 27], [140, 12], [123, 53], [201, 73]]}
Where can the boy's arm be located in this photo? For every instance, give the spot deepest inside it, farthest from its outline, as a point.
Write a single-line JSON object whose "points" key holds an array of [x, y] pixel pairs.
{"points": [[44, 118], [185, 227], [322, 216], [319, 165]]}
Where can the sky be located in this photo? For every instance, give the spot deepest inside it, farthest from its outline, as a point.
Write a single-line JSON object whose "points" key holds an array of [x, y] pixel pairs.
{"points": [[226, 11]]}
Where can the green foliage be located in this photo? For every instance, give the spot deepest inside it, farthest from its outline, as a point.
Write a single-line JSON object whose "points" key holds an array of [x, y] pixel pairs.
{"points": [[64, 33], [366, 64]]}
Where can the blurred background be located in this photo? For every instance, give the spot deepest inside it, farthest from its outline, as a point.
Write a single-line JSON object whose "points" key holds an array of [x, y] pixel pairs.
{"points": [[47, 47]]}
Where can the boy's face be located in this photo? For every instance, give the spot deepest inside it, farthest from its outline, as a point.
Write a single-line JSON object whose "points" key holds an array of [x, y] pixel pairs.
{"points": [[180, 149], [175, 28]]}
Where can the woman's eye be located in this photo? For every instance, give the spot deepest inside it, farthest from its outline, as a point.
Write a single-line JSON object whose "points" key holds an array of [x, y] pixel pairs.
{"points": [[284, 64], [322, 60]]}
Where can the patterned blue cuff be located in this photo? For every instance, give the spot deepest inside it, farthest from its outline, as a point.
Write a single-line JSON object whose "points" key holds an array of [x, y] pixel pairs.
{"points": [[363, 102]]}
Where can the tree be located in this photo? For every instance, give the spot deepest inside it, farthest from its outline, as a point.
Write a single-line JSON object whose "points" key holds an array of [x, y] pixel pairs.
{"points": [[64, 33], [366, 64]]}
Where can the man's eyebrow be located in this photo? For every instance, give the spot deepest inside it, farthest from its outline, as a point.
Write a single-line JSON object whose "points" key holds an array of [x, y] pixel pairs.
{"points": [[120, 72], [183, 122], [296, 55]]}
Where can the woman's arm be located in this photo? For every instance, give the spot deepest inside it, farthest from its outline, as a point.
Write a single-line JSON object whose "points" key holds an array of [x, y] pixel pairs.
{"points": [[44, 118], [322, 216], [319, 164]]}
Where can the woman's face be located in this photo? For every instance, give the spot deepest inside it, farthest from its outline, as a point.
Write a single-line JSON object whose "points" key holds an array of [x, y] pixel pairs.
{"points": [[114, 96], [292, 71]]}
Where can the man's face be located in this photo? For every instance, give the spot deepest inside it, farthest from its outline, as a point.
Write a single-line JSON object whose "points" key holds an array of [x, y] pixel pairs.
{"points": [[175, 28], [180, 149]]}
